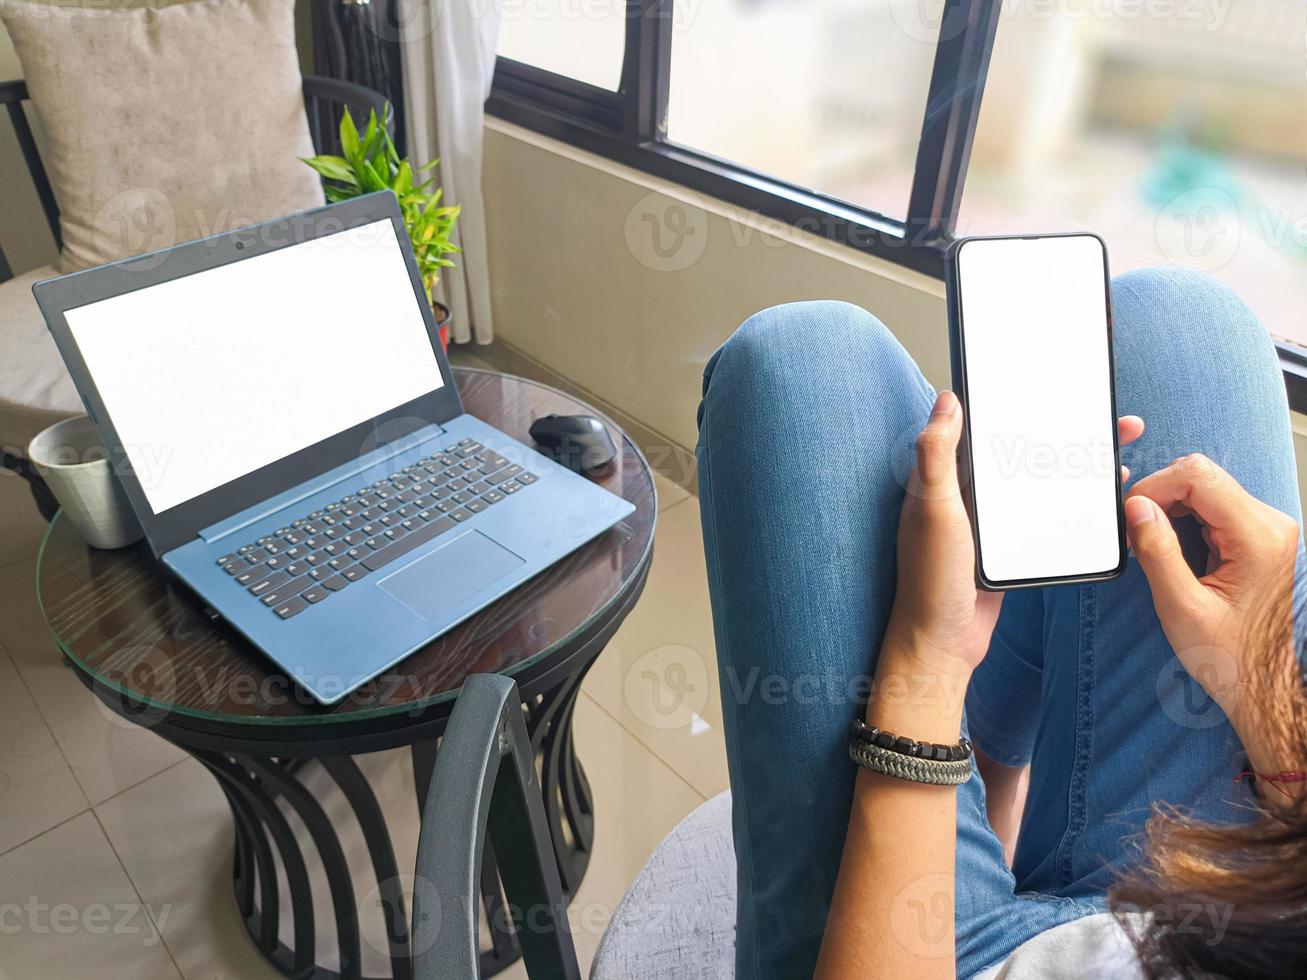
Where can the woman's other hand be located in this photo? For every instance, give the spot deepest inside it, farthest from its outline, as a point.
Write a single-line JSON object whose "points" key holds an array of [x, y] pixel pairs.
{"points": [[1252, 549]]}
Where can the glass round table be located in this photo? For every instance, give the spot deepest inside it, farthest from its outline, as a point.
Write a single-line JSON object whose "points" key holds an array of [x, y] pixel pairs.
{"points": [[151, 652]]}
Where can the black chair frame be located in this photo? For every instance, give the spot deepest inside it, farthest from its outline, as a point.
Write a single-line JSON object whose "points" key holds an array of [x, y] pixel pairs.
{"points": [[485, 782], [323, 100]]}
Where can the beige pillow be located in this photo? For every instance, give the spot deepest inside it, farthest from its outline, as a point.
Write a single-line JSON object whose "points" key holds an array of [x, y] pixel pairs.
{"points": [[165, 124]]}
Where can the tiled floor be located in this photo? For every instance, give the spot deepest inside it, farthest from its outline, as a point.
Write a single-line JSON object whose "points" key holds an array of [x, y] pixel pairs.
{"points": [[115, 849]]}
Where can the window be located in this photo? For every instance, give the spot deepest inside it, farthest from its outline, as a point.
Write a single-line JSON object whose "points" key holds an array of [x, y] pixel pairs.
{"points": [[1177, 137], [809, 104], [578, 38], [1172, 128]]}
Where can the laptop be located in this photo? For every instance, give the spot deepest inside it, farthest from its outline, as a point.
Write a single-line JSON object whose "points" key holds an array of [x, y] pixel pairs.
{"points": [[282, 417]]}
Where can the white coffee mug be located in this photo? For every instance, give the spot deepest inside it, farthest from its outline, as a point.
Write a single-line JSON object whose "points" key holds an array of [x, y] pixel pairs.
{"points": [[75, 466]]}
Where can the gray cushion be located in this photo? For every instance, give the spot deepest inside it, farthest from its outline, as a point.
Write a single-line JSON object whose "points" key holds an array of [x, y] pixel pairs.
{"points": [[165, 123], [677, 920], [35, 389]]}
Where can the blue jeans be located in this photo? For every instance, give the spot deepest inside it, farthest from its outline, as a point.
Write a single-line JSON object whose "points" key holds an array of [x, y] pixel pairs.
{"points": [[807, 425]]}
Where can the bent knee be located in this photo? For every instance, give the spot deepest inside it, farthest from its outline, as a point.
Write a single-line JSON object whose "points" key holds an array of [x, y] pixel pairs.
{"points": [[816, 336], [1170, 305]]}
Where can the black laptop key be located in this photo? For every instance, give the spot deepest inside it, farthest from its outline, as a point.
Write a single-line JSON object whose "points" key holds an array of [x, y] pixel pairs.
{"points": [[296, 568], [354, 573], [318, 574], [290, 607], [252, 575], [492, 496], [507, 473], [235, 565], [259, 554], [287, 589], [462, 497], [475, 506], [228, 559], [406, 544], [510, 486], [479, 488], [315, 594], [341, 561], [460, 514], [268, 583], [355, 537], [336, 583], [526, 477]]}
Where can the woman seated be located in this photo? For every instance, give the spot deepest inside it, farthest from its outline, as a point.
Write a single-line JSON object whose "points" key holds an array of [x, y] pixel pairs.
{"points": [[1159, 717]]}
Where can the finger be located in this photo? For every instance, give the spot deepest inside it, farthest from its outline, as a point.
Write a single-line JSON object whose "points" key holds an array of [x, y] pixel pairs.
{"points": [[1129, 428], [1174, 587], [1125, 475], [1197, 484], [937, 445]]}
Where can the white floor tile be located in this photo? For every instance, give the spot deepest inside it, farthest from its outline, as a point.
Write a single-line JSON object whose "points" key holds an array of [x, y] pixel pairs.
{"points": [[173, 833], [21, 526], [669, 493], [70, 911], [658, 675], [107, 754], [37, 789]]}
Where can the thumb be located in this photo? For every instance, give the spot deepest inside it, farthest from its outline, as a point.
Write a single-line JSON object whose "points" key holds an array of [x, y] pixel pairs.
{"points": [[1174, 587]]}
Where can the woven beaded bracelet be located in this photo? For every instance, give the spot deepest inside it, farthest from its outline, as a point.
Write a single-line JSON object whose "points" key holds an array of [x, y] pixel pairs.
{"points": [[930, 751]]}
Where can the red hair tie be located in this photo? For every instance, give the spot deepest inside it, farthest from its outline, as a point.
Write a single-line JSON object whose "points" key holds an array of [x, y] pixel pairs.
{"points": [[1288, 776]]}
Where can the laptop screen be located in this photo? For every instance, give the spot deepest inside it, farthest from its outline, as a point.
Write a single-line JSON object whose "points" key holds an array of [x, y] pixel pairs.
{"points": [[216, 374]]}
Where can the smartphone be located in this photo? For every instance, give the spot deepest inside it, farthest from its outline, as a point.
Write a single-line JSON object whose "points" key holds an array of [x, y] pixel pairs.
{"points": [[1030, 331]]}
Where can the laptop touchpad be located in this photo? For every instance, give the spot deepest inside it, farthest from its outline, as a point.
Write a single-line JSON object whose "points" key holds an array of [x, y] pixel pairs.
{"points": [[451, 574]]}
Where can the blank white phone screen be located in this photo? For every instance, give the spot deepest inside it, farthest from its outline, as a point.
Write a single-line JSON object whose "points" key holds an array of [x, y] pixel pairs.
{"points": [[1034, 324], [216, 374]]}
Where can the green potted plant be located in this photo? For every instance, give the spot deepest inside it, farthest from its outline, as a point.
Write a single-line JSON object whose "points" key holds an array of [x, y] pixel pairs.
{"points": [[371, 163]]}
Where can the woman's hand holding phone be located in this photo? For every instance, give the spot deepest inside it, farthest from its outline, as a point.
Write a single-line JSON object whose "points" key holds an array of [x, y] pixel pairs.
{"points": [[940, 621]]}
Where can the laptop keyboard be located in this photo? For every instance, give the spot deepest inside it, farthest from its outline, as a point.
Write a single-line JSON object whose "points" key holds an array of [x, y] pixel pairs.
{"points": [[321, 553]]}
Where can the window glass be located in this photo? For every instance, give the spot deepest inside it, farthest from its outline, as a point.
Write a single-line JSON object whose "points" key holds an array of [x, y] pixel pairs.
{"points": [[825, 94], [582, 39], [1173, 128]]}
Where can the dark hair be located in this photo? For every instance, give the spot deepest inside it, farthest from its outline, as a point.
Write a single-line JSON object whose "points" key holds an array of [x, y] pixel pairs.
{"points": [[1231, 901]]}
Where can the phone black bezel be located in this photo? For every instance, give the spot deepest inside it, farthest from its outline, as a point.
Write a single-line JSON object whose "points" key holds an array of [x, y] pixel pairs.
{"points": [[957, 357]]}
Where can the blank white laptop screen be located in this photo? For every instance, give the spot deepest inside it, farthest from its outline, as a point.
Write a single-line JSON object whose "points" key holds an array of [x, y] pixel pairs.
{"points": [[1035, 338], [211, 376]]}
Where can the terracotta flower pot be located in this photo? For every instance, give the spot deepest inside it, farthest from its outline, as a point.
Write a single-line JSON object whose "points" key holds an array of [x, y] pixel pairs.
{"points": [[443, 319]]}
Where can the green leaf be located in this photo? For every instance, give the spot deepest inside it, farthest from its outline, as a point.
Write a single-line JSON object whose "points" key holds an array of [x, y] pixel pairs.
{"points": [[349, 138], [403, 179], [333, 168], [372, 180], [337, 194]]}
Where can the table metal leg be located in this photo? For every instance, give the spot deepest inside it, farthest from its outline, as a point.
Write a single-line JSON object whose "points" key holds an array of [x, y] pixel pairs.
{"points": [[266, 842]]}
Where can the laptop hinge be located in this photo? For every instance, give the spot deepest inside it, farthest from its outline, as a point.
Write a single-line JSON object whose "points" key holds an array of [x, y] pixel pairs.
{"points": [[302, 491]]}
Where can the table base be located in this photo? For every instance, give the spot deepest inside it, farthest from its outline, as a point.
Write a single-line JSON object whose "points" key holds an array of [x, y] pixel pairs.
{"points": [[266, 845]]}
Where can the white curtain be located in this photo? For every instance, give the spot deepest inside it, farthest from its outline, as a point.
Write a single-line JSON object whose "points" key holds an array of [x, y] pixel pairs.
{"points": [[449, 58]]}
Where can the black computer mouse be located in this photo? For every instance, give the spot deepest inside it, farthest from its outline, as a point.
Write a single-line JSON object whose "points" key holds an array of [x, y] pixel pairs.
{"points": [[579, 442]]}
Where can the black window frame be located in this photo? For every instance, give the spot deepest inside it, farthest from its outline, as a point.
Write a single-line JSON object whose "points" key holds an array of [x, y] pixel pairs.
{"points": [[629, 126]]}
